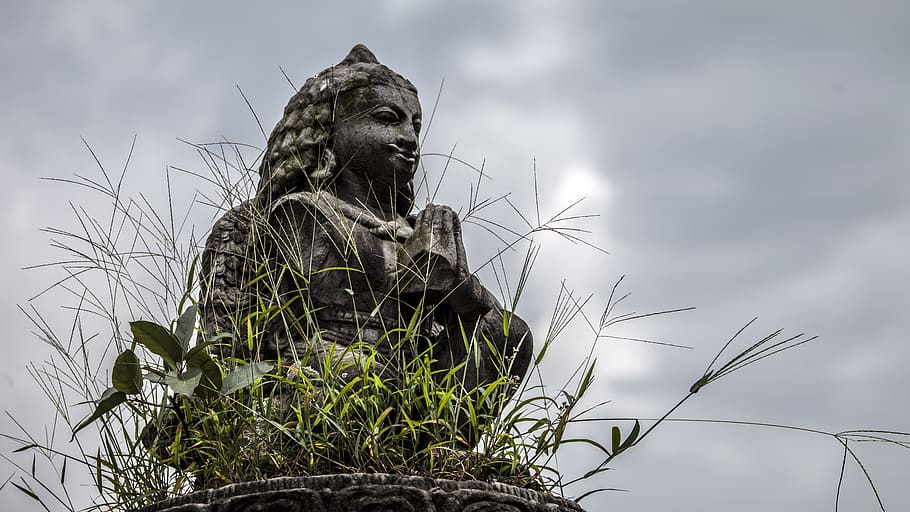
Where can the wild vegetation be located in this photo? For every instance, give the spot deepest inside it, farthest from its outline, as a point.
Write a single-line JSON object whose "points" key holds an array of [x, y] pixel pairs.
{"points": [[148, 412]]}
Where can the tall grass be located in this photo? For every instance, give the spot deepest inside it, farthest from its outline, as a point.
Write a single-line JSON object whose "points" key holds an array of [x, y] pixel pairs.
{"points": [[172, 431]]}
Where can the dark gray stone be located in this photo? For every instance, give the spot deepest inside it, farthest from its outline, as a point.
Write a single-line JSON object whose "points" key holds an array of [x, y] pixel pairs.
{"points": [[336, 192], [330, 240], [366, 493]]}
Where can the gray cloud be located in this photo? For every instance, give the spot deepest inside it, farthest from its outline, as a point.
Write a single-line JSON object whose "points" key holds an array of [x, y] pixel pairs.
{"points": [[751, 158]]}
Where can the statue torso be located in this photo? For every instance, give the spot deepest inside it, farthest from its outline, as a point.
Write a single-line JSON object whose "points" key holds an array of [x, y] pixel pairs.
{"points": [[338, 273]]}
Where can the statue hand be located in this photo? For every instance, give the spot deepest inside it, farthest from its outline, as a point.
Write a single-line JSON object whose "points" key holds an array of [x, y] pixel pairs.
{"points": [[436, 256]]}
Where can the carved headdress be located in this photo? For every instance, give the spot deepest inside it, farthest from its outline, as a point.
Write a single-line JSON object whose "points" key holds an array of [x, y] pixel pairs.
{"points": [[299, 155]]}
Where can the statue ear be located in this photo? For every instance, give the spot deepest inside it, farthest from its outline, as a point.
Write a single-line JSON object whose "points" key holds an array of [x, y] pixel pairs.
{"points": [[320, 175], [325, 169]]}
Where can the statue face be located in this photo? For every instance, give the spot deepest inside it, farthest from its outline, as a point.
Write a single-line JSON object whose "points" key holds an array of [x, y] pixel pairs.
{"points": [[375, 136]]}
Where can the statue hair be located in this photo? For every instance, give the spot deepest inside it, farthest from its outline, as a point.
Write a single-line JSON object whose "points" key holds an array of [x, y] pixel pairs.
{"points": [[299, 154]]}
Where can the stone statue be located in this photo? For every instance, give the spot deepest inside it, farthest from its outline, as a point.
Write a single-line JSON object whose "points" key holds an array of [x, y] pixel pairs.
{"points": [[330, 255]]}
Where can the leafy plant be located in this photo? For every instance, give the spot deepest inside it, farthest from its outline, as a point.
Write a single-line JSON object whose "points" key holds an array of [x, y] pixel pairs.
{"points": [[172, 417]]}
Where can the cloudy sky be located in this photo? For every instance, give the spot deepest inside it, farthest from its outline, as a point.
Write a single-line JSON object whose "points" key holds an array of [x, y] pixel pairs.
{"points": [[747, 158]]}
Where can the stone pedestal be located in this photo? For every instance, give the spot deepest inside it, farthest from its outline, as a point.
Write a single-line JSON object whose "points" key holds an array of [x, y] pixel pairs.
{"points": [[365, 493]]}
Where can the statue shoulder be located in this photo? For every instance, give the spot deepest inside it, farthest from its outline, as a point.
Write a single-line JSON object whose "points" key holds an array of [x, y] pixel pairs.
{"points": [[315, 211], [313, 205]]}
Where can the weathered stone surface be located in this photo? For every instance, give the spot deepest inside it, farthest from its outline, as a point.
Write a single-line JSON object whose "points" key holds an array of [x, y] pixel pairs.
{"points": [[366, 493], [331, 243]]}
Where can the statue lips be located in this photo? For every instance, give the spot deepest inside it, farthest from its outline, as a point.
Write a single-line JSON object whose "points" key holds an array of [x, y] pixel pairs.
{"points": [[403, 154]]}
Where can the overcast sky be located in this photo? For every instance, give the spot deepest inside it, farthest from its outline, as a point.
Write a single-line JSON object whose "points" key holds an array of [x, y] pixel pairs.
{"points": [[747, 158]]}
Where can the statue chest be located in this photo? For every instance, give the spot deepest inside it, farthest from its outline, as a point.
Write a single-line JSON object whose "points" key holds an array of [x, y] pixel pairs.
{"points": [[360, 269]]}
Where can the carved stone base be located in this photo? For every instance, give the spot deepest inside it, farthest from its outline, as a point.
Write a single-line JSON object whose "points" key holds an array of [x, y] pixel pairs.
{"points": [[365, 493]]}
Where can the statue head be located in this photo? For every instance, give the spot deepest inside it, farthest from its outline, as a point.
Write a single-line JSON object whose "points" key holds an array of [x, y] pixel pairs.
{"points": [[301, 152]]}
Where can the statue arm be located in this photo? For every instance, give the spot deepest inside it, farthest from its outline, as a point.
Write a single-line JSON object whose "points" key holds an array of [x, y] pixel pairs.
{"points": [[297, 246], [436, 267], [494, 345], [478, 333]]}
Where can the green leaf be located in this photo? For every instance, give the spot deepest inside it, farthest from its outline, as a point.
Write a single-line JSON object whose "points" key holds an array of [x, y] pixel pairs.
{"points": [[186, 324], [588, 379], [702, 382], [109, 399], [415, 318], [212, 375], [244, 376], [196, 356], [211, 372], [617, 439], [249, 333], [192, 274], [28, 492], [542, 353], [158, 340], [154, 375], [212, 378], [26, 447], [633, 436], [99, 483], [126, 375], [190, 279], [184, 383]]}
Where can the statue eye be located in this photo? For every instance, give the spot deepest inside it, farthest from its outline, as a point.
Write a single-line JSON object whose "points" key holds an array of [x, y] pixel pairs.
{"points": [[386, 116], [417, 126]]}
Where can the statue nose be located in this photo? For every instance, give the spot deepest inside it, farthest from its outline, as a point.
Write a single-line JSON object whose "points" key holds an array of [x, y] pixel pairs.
{"points": [[408, 141]]}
